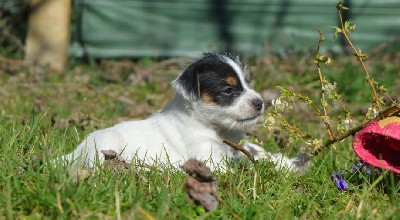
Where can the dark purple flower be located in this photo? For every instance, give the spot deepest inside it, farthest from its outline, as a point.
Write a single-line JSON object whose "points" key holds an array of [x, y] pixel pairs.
{"points": [[364, 168], [339, 181]]}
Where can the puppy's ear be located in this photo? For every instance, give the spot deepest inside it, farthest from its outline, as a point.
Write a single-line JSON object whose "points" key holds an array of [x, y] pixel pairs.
{"points": [[188, 84]]}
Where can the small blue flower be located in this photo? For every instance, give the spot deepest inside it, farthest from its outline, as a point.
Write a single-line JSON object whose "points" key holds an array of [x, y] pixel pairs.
{"points": [[339, 181], [365, 168]]}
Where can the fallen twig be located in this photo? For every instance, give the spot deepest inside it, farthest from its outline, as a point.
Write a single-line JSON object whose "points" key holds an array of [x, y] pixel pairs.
{"points": [[239, 148]]}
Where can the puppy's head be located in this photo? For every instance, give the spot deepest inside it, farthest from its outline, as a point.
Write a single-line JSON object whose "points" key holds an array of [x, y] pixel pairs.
{"points": [[220, 90]]}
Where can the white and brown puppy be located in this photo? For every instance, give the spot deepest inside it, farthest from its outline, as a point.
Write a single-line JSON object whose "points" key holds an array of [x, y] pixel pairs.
{"points": [[214, 101]]}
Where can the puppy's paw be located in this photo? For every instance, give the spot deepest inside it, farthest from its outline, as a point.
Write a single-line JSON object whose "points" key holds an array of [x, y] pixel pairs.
{"points": [[262, 155], [301, 163], [298, 164]]}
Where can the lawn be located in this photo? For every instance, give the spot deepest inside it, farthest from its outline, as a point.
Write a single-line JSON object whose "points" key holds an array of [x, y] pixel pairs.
{"points": [[42, 111]]}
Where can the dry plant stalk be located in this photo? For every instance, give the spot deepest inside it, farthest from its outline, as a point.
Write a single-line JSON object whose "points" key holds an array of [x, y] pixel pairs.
{"points": [[358, 54], [392, 111], [321, 81], [322, 113], [239, 148]]}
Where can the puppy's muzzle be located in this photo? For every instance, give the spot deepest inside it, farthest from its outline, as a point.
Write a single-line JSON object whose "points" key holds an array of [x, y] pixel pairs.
{"points": [[258, 104]]}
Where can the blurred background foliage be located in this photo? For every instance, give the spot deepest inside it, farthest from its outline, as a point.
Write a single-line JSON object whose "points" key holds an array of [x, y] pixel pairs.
{"points": [[13, 27], [138, 28]]}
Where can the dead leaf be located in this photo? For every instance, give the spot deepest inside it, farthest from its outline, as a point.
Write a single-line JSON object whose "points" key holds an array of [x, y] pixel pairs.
{"points": [[200, 185], [112, 155], [114, 161], [198, 169], [202, 193], [119, 165]]}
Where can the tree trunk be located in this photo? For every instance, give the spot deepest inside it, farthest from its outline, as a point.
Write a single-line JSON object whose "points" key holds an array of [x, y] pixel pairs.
{"points": [[48, 33]]}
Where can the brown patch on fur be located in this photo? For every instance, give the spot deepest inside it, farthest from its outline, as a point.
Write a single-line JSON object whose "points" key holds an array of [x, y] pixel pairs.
{"points": [[207, 97], [232, 80]]}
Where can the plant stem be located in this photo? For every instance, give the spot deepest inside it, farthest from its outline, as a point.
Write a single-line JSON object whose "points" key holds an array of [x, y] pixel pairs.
{"points": [[293, 128], [392, 111], [328, 126], [318, 113], [239, 148], [360, 59], [321, 81]]}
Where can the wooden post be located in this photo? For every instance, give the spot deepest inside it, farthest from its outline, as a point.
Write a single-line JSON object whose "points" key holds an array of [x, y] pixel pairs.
{"points": [[48, 35]]}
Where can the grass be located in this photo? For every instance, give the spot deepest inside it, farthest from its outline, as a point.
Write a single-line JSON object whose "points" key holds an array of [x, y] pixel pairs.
{"points": [[56, 111]]}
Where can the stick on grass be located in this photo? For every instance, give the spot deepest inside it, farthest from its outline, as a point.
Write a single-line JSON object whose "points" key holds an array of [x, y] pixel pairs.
{"points": [[239, 148]]}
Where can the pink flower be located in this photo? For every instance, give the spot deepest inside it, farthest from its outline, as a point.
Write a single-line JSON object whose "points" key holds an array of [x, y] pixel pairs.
{"points": [[378, 144]]}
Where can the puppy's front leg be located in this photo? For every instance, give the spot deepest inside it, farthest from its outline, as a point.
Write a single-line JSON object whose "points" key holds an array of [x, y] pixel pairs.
{"points": [[300, 163]]}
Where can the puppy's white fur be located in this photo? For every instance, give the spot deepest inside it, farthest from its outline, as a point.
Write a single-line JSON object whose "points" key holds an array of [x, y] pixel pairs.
{"points": [[186, 128]]}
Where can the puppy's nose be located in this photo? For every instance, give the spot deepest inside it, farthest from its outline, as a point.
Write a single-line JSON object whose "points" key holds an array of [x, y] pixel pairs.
{"points": [[258, 104]]}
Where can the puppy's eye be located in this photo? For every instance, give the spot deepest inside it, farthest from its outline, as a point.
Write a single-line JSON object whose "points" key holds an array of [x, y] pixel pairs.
{"points": [[228, 91]]}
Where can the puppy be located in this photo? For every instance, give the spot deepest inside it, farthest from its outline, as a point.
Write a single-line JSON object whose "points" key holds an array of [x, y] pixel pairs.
{"points": [[214, 101]]}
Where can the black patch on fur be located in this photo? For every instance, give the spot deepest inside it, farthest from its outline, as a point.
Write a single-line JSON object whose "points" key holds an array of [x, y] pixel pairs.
{"points": [[208, 75]]}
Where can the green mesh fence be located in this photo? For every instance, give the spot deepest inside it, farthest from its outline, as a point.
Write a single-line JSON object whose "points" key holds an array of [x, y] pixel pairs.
{"points": [[133, 28]]}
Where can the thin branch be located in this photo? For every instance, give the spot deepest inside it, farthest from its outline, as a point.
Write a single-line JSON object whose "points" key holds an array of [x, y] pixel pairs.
{"points": [[317, 112], [321, 80], [239, 148], [328, 126], [392, 111], [359, 56], [295, 130]]}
